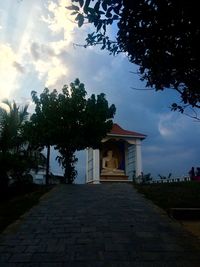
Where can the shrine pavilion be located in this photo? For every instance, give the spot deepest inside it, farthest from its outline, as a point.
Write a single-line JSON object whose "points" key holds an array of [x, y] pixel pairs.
{"points": [[119, 158]]}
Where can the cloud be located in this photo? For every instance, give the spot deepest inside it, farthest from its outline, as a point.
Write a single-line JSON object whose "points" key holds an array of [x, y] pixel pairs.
{"points": [[56, 73], [5, 107], [41, 51], [165, 125], [47, 64], [7, 56], [34, 49], [7, 69], [174, 147], [19, 67], [59, 19], [54, 56], [47, 55]]}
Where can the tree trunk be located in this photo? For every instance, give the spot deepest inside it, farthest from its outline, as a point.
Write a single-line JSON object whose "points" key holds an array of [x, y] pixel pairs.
{"points": [[66, 176], [67, 172], [47, 165], [70, 172]]}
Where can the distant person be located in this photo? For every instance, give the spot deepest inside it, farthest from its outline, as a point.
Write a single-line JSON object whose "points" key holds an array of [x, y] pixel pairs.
{"points": [[192, 173], [198, 171]]}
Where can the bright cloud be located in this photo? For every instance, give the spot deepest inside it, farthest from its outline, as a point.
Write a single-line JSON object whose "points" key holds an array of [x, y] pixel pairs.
{"points": [[59, 46], [167, 125], [5, 107], [171, 125], [47, 56], [57, 71], [37, 53], [7, 56], [59, 20], [8, 69], [47, 64]]}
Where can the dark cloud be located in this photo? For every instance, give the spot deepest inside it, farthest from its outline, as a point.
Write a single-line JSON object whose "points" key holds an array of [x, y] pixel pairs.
{"points": [[19, 67], [39, 51], [35, 50]]}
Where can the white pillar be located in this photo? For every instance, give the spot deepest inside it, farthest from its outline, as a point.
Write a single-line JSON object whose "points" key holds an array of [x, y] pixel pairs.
{"points": [[89, 165], [87, 157], [126, 159], [96, 171], [138, 158]]}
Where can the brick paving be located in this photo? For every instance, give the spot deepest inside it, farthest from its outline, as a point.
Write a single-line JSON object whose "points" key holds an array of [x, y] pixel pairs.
{"points": [[107, 225]]}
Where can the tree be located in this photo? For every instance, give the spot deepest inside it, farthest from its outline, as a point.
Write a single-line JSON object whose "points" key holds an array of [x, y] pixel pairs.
{"points": [[41, 129], [70, 122], [84, 122], [11, 123], [161, 37], [11, 140]]}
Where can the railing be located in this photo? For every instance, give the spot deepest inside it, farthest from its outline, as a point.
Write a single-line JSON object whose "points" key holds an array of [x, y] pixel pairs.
{"points": [[170, 180]]}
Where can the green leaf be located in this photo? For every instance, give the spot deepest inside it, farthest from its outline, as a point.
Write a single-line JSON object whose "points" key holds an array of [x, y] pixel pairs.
{"points": [[91, 10], [81, 2], [74, 12], [99, 26], [80, 19], [85, 9], [115, 17], [104, 6], [96, 7], [117, 9], [73, 7], [104, 27], [108, 13]]}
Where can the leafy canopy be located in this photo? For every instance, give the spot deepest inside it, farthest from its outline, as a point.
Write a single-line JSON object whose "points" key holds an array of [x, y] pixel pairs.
{"points": [[12, 120], [162, 37], [16, 157], [70, 122]]}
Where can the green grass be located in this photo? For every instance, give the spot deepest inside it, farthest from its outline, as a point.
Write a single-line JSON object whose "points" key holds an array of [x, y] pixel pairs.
{"points": [[11, 209], [172, 195]]}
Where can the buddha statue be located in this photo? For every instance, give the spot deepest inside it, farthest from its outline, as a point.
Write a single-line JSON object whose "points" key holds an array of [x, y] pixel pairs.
{"points": [[110, 165]]}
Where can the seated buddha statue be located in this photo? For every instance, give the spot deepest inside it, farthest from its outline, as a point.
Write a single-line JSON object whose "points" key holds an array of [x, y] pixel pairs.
{"points": [[110, 165]]}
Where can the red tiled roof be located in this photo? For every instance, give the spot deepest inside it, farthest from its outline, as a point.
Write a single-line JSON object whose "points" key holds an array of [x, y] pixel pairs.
{"points": [[117, 130]]}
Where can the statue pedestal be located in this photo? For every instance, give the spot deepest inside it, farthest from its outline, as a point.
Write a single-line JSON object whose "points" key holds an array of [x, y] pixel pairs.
{"points": [[112, 177], [115, 172]]}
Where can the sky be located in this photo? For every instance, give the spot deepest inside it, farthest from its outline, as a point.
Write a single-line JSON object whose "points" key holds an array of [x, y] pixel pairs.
{"points": [[37, 50]]}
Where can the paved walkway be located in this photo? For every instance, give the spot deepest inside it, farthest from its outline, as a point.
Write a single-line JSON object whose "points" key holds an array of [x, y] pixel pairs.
{"points": [[97, 225]]}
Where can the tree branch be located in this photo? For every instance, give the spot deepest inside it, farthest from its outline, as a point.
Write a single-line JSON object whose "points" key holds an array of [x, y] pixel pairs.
{"points": [[142, 89], [195, 116]]}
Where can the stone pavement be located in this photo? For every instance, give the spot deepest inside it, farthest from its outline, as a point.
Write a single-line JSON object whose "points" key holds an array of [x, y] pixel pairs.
{"points": [[107, 225]]}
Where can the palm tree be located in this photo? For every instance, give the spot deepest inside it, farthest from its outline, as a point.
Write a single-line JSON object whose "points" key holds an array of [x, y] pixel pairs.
{"points": [[11, 137], [11, 123], [17, 155]]}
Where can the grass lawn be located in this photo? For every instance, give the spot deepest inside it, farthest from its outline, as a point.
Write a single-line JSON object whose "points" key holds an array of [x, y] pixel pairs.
{"points": [[172, 195], [13, 207]]}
